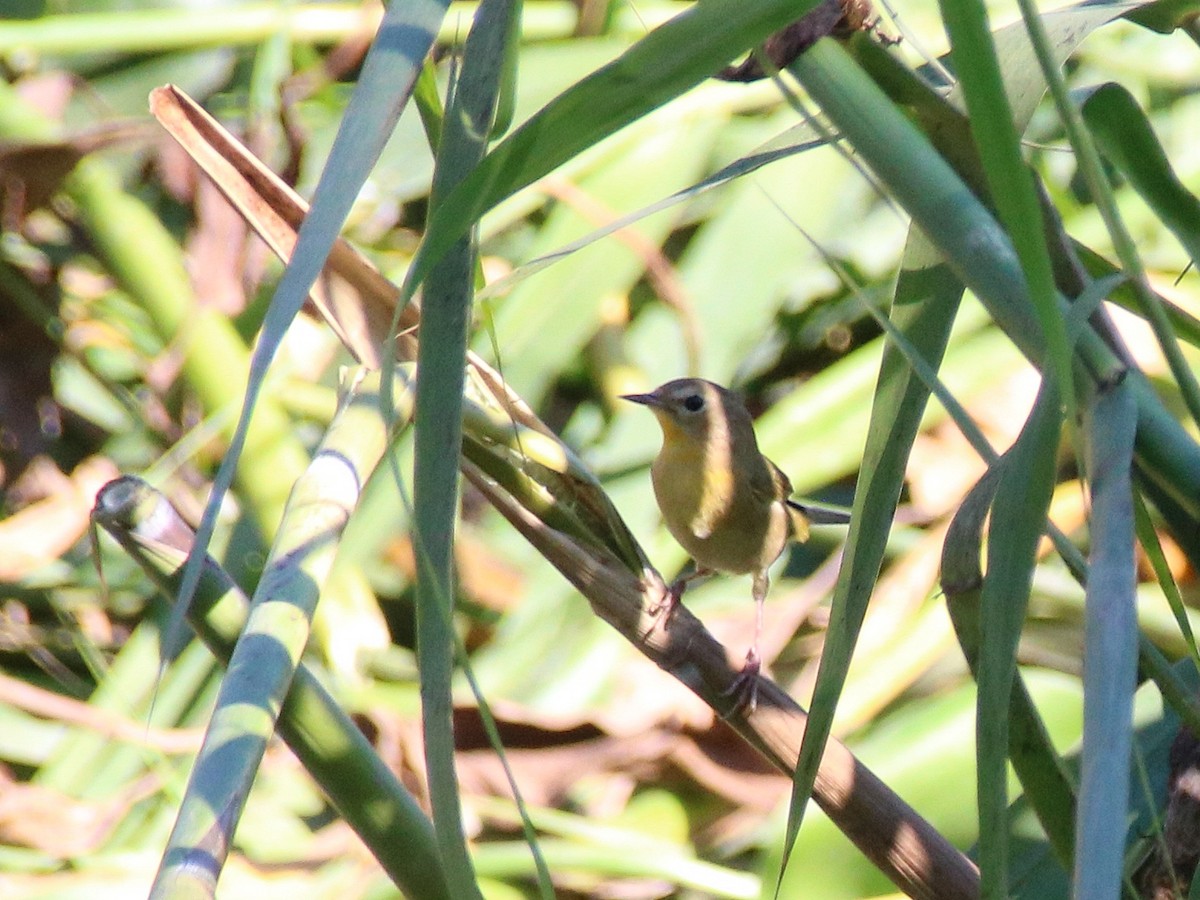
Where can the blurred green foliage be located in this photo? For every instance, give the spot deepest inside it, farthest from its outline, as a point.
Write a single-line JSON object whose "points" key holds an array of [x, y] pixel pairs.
{"points": [[130, 297]]}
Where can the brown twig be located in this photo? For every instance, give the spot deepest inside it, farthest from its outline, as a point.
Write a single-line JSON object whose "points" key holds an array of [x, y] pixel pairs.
{"points": [[831, 17]]}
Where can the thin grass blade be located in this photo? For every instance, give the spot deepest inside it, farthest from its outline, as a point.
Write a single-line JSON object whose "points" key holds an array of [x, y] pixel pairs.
{"points": [[1048, 787], [1018, 521], [442, 357], [925, 302], [1099, 186], [1010, 182], [668, 61]]}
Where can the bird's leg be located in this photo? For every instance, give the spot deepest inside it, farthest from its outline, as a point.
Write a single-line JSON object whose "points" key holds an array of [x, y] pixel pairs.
{"points": [[745, 687]]}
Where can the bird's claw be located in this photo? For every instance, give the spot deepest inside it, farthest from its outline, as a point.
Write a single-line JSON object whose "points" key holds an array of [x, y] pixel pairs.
{"points": [[668, 601], [661, 612], [744, 688]]}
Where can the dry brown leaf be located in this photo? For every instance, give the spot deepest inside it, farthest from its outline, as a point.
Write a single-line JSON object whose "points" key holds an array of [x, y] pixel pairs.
{"points": [[482, 575], [56, 824], [32, 172], [353, 297], [42, 532]]}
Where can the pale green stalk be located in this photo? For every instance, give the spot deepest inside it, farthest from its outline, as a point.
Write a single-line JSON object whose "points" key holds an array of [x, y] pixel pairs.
{"points": [[268, 651], [324, 738]]}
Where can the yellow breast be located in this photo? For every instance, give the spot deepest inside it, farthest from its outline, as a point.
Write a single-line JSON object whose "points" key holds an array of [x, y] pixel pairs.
{"points": [[710, 508]]}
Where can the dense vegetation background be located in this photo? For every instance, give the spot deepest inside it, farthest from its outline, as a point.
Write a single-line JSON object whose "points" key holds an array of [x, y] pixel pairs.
{"points": [[131, 296]]}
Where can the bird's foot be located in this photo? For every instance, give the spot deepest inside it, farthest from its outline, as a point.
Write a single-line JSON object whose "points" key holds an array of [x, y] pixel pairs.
{"points": [[666, 605], [670, 598], [661, 612], [744, 689]]}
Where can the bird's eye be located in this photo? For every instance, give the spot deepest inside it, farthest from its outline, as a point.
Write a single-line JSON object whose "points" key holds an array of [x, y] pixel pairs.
{"points": [[693, 403]]}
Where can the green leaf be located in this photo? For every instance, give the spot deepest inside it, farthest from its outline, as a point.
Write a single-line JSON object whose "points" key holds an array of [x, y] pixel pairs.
{"points": [[1165, 16], [926, 300], [1110, 648], [1010, 183], [441, 361], [668, 61], [1126, 138]]}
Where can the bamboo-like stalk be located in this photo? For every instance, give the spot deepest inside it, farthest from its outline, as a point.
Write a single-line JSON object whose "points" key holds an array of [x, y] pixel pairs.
{"points": [[276, 632], [324, 738]]}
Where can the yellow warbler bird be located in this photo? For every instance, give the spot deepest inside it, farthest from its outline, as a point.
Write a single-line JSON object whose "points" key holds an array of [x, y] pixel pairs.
{"points": [[726, 503]]}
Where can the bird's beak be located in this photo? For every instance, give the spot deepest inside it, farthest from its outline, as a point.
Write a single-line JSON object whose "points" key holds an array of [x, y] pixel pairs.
{"points": [[650, 400]]}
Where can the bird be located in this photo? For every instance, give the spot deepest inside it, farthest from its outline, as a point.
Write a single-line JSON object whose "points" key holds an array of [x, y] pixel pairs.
{"points": [[726, 503]]}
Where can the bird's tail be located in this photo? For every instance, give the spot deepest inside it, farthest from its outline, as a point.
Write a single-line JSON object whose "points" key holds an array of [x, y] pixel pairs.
{"points": [[820, 514]]}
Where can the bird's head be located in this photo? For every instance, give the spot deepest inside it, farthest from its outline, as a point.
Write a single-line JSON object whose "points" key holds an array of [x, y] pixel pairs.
{"points": [[689, 408]]}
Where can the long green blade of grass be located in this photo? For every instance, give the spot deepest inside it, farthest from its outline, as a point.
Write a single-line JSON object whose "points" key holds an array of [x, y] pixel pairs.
{"points": [[1110, 651], [668, 61], [1010, 182], [924, 306], [446, 316], [1048, 787], [1152, 546], [1092, 171], [794, 141], [911, 168], [976, 248], [1018, 520]]}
